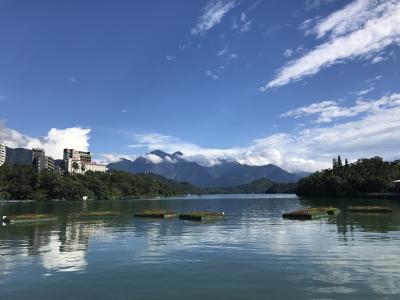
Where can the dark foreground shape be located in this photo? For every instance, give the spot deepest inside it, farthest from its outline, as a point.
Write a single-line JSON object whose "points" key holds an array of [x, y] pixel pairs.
{"points": [[157, 214], [202, 216], [370, 209], [311, 213]]}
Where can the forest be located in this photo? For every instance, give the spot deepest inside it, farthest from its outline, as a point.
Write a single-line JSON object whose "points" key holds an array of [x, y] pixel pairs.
{"points": [[23, 183], [367, 175]]}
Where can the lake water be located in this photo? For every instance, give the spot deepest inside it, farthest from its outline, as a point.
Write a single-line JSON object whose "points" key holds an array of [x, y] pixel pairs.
{"points": [[252, 254]]}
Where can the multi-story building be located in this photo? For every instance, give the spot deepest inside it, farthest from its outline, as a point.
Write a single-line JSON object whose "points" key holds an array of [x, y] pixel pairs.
{"points": [[40, 161], [82, 156], [80, 162], [2, 154]]}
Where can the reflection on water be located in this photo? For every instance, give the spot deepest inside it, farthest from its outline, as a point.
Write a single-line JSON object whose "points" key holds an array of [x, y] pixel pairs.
{"points": [[250, 253]]}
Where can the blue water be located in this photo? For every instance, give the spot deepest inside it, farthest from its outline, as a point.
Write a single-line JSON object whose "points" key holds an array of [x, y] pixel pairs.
{"points": [[252, 254]]}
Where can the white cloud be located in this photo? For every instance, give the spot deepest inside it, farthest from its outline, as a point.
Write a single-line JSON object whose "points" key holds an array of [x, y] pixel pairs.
{"points": [[213, 13], [364, 91], [376, 132], [107, 158], [314, 4], [288, 53], [359, 30], [54, 142], [328, 111], [153, 158], [242, 24], [212, 75], [222, 52], [170, 57]]}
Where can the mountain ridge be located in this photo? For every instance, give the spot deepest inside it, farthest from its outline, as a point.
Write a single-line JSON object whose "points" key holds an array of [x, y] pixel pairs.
{"points": [[225, 174]]}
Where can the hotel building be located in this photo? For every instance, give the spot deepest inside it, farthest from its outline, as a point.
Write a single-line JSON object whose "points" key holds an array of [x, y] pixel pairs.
{"points": [[80, 162]]}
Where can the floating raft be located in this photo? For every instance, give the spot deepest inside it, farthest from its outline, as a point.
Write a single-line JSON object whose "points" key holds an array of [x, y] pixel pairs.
{"points": [[106, 213], [156, 214], [27, 218], [201, 216], [311, 213], [370, 209]]}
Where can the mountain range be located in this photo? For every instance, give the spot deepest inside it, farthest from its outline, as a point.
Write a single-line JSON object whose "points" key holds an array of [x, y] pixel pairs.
{"points": [[224, 174]]}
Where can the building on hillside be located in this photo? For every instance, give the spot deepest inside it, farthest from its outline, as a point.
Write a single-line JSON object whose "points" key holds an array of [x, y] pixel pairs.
{"points": [[2, 154], [80, 162], [82, 156], [40, 161]]}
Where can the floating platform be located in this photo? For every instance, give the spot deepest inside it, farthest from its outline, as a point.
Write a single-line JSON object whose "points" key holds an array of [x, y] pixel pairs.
{"points": [[202, 216], [311, 213], [370, 209], [156, 214], [28, 218], [106, 213]]}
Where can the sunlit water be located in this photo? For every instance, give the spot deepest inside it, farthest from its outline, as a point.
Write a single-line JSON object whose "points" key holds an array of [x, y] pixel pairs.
{"points": [[252, 254]]}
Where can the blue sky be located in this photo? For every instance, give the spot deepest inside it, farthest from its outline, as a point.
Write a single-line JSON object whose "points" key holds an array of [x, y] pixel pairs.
{"points": [[286, 82]]}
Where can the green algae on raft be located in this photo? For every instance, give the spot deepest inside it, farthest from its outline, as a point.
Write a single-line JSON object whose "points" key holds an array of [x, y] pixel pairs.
{"points": [[370, 209], [201, 216], [31, 218], [311, 213], [158, 214], [106, 213]]}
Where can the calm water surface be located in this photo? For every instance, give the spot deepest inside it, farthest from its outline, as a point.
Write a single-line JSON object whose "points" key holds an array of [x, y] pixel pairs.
{"points": [[252, 254]]}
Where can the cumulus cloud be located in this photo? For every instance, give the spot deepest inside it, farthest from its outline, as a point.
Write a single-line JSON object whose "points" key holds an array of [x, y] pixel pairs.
{"points": [[328, 111], [213, 13], [374, 133], [54, 142], [359, 30]]}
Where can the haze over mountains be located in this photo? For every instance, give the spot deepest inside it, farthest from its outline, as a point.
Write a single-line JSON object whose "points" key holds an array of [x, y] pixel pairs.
{"points": [[224, 174]]}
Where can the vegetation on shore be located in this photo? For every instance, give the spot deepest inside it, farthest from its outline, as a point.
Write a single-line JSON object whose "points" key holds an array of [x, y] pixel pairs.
{"points": [[22, 182], [373, 175]]}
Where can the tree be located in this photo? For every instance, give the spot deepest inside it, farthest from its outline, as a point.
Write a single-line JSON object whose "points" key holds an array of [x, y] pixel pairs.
{"points": [[339, 161], [75, 166]]}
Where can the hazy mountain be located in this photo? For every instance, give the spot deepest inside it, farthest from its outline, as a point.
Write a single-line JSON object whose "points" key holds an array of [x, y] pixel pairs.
{"points": [[224, 174]]}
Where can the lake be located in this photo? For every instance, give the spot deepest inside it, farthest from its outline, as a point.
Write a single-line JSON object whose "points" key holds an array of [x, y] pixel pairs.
{"points": [[251, 254]]}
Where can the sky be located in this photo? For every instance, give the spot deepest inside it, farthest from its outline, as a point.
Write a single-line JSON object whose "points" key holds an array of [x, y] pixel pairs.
{"points": [[292, 83]]}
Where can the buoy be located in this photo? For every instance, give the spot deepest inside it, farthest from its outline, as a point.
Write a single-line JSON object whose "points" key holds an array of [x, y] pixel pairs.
{"points": [[5, 220]]}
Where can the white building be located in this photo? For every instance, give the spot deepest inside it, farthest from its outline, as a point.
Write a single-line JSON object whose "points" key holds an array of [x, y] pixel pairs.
{"points": [[80, 162], [2, 154]]}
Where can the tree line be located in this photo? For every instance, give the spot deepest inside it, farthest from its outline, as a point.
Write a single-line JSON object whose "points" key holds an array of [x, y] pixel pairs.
{"points": [[23, 182], [373, 175]]}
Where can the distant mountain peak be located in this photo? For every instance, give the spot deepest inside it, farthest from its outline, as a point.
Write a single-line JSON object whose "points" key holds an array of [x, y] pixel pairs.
{"points": [[177, 153], [160, 154]]}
